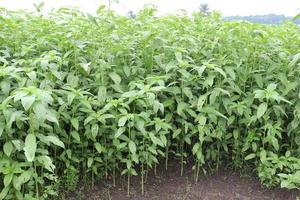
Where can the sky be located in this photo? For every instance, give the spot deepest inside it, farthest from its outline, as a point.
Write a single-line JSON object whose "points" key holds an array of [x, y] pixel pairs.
{"points": [[226, 7]]}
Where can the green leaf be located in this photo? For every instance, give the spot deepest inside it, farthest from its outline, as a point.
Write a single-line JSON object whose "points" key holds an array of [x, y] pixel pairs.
{"points": [[115, 77], [295, 60], [119, 132], [262, 108], [95, 130], [75, 135], [70, 98], [180, 108], [250, 156], [32, 75], [86, 67], [132, 147], [230, 71], [259, 80], [178, 56], [135, 158], [156, 106], [23, 178], [40, 111], [176, 133], [102, 94], [88, 120], [8, 148], [27, 102], [92, 19], [196, 148], [271, 86], [211, 110], [219, 70], [51, 116], [187, 139], [4, 192], [17, 144], [259, 94], [188, 92], [46, 162], [200, 102], [122, 121], [30, 147], [126, 70], [98, 147], [55, 141], [1, 128], [19, 95], [3, 60], [201, 69], [90, 162], [75, 123], [7, 179], [5, 87], [275, 143], [202, 120], [263, 156], [155, 140], [130, 94], [163, 139]]}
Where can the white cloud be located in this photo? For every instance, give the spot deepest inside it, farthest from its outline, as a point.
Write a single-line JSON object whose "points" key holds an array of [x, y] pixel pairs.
{"points": [[226, 7]]}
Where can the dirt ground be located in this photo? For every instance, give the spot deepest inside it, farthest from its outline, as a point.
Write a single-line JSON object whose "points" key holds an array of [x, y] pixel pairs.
{"points": [[169, 185]]}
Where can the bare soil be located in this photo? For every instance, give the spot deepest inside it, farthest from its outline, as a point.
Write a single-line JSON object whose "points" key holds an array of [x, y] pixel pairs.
{"points": [[169, 185]]}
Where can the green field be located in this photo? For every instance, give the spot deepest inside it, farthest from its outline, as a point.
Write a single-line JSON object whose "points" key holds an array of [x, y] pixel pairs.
{"points": [[84, 98]]}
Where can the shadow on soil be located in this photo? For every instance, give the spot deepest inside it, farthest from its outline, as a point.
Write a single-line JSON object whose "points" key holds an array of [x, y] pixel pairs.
{"points": [[169, 185]]}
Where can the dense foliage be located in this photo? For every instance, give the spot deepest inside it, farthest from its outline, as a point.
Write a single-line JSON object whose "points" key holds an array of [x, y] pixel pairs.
{"points": [[85, 97]]}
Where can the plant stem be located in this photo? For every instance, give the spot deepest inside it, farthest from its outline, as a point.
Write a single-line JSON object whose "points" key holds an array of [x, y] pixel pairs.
{"points": [[36, 182], [197, 171], [114, 175], [93, 182], [167, 156], [128, 185], [142, 179], [181, 162]]}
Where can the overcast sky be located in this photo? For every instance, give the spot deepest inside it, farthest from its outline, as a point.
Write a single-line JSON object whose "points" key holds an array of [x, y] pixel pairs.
{"points": [[226, 7]]}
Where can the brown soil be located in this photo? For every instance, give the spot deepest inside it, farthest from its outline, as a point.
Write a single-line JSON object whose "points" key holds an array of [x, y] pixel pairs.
{"points": [[169, 185]]}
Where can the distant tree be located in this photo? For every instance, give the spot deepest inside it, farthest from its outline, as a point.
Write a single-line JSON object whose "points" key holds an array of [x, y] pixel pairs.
{"points": [[264, 19], [131, 15], [39, 6], [110, 3], [204, 9]]}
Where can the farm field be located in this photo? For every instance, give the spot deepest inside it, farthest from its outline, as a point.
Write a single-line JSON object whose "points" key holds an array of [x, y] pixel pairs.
{"points": [[167, 105]]}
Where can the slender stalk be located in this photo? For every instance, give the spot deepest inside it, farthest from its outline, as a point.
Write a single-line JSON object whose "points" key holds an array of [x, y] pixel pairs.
{"points": [[36, 182], [197, 171], [181, 161], [128, 185], [167, 155], [218, 158], [143, 171], [128, 176], [106, 165], [114, 174], [146, 174], [142, 179], [93, 182]]}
